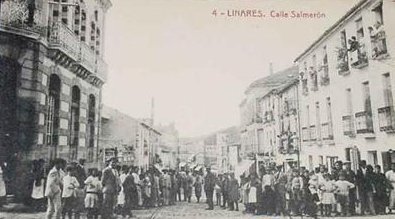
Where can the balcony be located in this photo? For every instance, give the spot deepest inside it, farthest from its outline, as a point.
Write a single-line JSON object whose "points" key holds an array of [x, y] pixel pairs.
{"points": [[342, 62], [305, 134], [386, 119], [324, 75], [364, 122], [14, 18], [87, 57], [313, 133], [359, 58], [327, 131], [348, 125], [63, 39], [304, 87], [379, 42]]}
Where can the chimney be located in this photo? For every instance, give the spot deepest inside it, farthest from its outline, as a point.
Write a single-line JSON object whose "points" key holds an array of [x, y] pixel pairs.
{"points": [[152, 111], [271, 68]]}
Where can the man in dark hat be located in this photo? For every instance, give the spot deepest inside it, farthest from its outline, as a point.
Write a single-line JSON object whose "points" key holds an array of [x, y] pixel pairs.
{"points": [[209, 184], [111, 187]]}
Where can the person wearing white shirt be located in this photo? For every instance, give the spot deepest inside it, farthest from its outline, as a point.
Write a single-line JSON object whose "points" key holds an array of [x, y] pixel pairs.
{"points": [[390, 175], [70, 183], [93, 187], [53, 190]]}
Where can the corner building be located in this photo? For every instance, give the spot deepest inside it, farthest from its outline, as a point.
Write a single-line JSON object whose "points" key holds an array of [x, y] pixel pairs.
{"points": [[346, 101], [51, 76]]}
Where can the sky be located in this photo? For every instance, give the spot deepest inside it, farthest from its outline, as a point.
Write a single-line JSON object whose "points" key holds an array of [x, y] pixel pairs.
{"points": [[197, 65]]}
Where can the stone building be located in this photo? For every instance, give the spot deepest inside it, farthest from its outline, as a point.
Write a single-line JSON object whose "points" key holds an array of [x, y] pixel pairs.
{"points": [[346, 85], [51, 76]]}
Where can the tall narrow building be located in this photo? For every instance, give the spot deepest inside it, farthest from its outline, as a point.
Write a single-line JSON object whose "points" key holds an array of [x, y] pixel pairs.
{"points": [[51, 75]]}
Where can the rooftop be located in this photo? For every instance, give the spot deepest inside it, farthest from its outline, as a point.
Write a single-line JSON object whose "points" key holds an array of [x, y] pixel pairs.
{"points": [[276, 80]]}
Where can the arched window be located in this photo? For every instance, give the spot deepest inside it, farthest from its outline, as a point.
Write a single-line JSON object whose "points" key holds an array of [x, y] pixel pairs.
{"points": [[91, 127], [52, 121], [75, 122]]}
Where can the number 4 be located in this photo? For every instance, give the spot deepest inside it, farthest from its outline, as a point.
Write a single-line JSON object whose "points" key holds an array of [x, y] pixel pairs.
{"points": [[214, 12]]}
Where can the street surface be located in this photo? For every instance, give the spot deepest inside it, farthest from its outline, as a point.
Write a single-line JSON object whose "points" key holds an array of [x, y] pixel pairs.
{"points": [[182, 210]]}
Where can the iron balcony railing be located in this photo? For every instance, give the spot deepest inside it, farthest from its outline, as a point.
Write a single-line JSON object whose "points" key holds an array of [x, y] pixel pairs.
{"points": [[364, 122], [348, 125], [327, 131], [386, 118]]}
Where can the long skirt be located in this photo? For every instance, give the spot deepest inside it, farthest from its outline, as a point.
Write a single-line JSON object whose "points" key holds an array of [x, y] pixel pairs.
{"points": [[252, 195]]}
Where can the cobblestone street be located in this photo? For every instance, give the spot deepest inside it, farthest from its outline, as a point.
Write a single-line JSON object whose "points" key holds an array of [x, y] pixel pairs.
{"points": [[182, 210]]}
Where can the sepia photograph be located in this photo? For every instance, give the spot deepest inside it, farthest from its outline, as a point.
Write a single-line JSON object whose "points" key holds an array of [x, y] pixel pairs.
{"points": [[178, 109]]}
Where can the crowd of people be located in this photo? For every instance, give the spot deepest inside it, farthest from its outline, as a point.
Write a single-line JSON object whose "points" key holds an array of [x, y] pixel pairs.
{"points": [[338, 192], [68, 190]]}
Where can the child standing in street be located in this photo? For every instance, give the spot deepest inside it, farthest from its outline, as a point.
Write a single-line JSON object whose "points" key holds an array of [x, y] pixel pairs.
{"points": [[343, 190], [328, 196], [70, 183], [93, 187]]}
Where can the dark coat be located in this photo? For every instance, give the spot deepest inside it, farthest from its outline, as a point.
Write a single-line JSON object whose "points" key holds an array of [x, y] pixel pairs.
{"points": [[209, 182], [233, 192], [109, 181]]}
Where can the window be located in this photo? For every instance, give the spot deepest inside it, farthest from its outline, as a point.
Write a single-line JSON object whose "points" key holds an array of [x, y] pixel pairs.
{"points": [[342, 55], [363, 119], [52, 120], [349, 109], [359, 25], [313, 73], [366, 94], [318, 120], [311, 164], [324, 68], [91, 126], [75, 123], [388, 98], [320, 160], [329, 118]]}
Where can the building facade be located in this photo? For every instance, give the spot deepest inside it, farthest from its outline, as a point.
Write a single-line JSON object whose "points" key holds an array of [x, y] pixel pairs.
{"points": [[263, 117], [118, 137], [51, 74], [169, 145], [346, 86], [288, 124]]}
